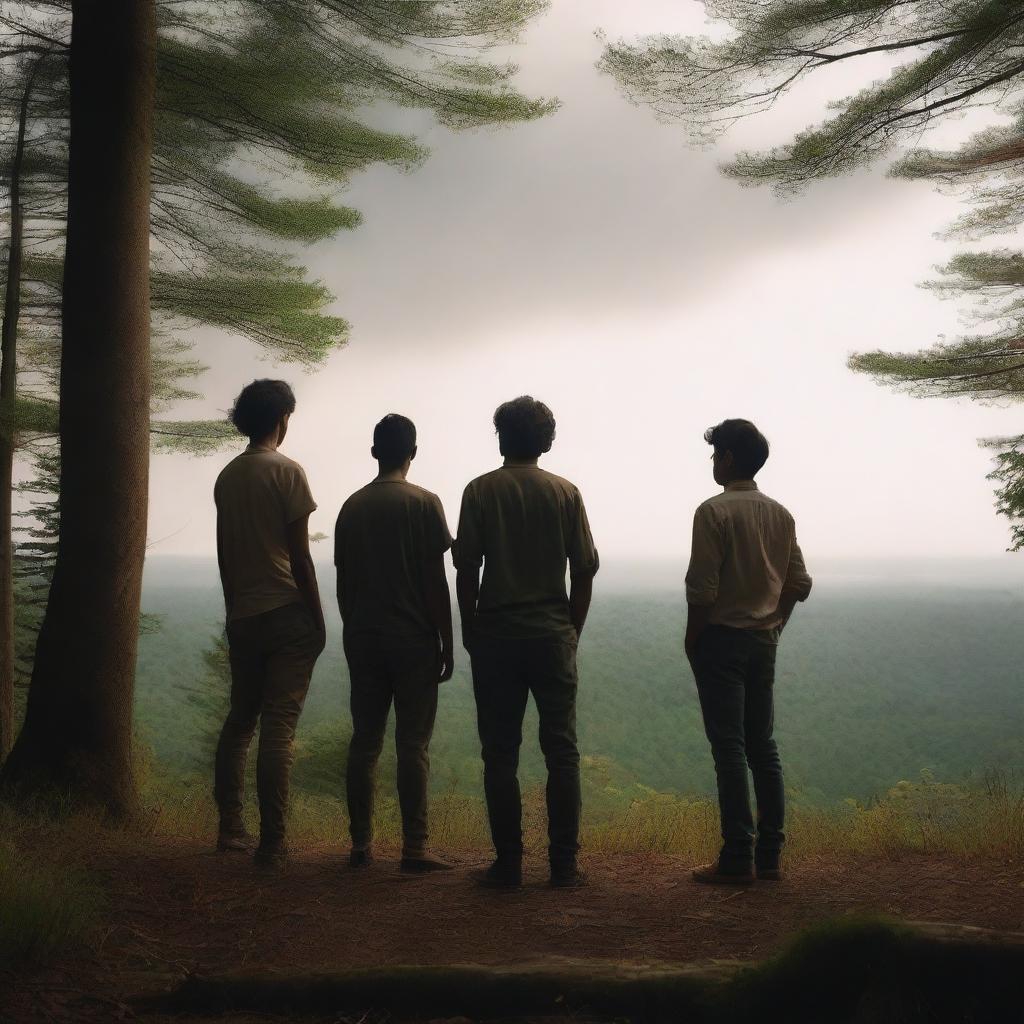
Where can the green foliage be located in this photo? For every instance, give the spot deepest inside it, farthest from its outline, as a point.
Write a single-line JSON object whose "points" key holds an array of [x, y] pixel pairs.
{"points": [[894, 671], [46, 907], [946, 57]]}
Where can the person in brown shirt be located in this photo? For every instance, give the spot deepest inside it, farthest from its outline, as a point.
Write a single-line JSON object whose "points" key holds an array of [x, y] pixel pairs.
{"points": [[390, 542], [524, 526], [745, 577], [275, 623]]}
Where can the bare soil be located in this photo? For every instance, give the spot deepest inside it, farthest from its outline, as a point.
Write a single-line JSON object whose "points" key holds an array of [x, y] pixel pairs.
{"points": [[175, 909]]}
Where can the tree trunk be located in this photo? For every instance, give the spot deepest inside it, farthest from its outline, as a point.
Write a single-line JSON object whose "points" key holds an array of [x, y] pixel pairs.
{"points": [[8, 393], [77, 736]]}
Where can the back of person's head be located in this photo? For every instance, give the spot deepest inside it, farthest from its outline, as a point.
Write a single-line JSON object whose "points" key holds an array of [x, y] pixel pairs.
{"points": [[748, 446], [394, 440], [261, 406], [525, 428]]}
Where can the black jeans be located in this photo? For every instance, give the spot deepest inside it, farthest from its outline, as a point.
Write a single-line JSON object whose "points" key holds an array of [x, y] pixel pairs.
{"points": [[505, 673], [735, 670]]}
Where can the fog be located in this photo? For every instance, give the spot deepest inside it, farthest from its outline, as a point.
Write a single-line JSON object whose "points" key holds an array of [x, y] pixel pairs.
{"points": [[596, 261]]}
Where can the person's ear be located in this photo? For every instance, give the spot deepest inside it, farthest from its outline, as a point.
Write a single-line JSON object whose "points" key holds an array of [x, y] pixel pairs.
{"points": [[412, 454], [373, 452]]}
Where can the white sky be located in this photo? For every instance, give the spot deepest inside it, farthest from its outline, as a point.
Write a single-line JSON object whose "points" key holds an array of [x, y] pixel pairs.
{"points": [[594, 260]]}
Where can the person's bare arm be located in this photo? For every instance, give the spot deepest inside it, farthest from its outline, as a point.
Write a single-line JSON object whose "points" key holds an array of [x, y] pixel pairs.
{"points": [[439, 608], [304, 571], [467, 590], [581, 590]]}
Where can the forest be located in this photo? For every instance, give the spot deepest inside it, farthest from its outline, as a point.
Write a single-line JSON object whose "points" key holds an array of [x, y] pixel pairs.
{"points": [[878, 682]]}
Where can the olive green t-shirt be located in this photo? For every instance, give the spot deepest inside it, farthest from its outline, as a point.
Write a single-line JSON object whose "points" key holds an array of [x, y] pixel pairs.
{"points": [[385, 535], [257, 495], [524, 525]]}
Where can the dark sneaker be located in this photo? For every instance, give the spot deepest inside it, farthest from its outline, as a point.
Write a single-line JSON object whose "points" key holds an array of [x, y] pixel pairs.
{"points": [[273, 857], [770, 874], [713, 874], [424, 864], [502, 874], [235, 841], [360, 859], [567, 876]]}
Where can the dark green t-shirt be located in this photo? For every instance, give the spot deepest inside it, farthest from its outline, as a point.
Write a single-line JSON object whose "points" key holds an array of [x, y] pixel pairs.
{"points": [[385, 535], [524, 525]]}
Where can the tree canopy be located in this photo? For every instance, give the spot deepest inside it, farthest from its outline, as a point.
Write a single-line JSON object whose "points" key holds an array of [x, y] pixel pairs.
{"points": [[945, 57]]}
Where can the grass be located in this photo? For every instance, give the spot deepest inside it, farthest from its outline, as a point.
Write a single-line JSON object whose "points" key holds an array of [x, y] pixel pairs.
{"points": [[46, 906], [985, 818]]}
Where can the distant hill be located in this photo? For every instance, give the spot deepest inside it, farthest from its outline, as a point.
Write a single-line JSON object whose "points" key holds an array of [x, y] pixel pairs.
{"points": [[878, 680]]}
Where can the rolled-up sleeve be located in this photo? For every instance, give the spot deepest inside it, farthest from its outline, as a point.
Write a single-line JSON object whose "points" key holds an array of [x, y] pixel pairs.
{"points": [[468, 548], [798, 580], [707, 553]]}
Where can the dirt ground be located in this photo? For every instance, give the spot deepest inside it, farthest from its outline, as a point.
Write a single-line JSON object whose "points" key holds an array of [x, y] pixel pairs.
{"points": [[176, 909]]}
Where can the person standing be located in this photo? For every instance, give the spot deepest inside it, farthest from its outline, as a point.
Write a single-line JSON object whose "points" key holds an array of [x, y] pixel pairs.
{"points": [[746, 575], [523, 526], [390, 542], [275, 623]]}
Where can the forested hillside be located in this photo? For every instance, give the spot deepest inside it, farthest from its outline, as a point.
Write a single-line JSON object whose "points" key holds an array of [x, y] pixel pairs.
{"points": [[876, 683]]}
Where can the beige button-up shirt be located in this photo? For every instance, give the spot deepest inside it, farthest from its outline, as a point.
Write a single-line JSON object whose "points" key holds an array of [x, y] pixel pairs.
{"points": [[744, 555]]}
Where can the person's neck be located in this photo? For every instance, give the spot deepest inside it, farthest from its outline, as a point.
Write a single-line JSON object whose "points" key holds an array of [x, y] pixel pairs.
{"points": [[267, 444], [397, 475], [509, 461]]}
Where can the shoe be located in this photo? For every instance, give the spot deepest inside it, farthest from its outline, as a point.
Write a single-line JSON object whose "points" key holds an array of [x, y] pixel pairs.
{"points": [[775, 874], [712, 874], [423, 864], [502, 874], [273, 857], [360, 858], [567, 876], [235, 841]]}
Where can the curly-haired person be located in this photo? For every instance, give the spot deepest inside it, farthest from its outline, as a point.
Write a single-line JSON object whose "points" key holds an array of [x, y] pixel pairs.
{"points": [[523, 526], [275, 623]]}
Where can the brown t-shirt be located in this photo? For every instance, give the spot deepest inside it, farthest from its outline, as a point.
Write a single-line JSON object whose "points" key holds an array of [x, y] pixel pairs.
{"points": [[257, 495], [385, 535], [524, 525]]}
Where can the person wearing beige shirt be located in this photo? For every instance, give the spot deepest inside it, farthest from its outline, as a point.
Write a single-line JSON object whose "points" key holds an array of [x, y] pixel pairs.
{"points": [[745, 577], [275, 622]]}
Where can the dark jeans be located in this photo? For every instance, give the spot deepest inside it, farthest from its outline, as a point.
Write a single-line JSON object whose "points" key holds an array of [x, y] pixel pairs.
{"points": [[272, 657], [383, 670], [505, 673], [735, 670]]}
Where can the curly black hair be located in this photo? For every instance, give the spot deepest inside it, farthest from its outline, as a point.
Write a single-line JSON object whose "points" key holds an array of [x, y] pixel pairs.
{"points": [[525, 428], [748, 445], [394, 440], [260, 406]]}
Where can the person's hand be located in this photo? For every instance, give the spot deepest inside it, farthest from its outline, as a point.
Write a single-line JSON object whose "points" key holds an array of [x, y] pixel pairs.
{"points": [[447, 664]]}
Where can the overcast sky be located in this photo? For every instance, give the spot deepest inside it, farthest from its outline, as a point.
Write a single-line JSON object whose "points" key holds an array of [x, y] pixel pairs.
{"points": [[596, 261]]}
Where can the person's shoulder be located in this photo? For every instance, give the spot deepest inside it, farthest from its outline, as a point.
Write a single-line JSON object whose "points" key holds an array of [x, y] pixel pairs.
{"points": [[484, 481], [773, 503], [228, 471], [421, 494], [560, 483]]}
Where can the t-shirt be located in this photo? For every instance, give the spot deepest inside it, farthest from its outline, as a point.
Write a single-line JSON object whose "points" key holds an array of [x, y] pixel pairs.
{"points": [[524, 525], [744, 556], [257, 495], [385, 535]]}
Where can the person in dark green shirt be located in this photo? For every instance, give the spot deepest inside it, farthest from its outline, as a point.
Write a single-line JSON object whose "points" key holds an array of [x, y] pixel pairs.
{"points": [[524, 526]]}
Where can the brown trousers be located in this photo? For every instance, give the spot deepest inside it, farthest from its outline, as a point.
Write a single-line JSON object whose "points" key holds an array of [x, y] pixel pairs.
{"points": [[405, 672], [272, 657]]}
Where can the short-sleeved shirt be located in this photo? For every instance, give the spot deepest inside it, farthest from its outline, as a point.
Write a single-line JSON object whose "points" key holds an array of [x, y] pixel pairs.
{"points": [[524, 525], [744, 555], [257, 495], [386, 534]]}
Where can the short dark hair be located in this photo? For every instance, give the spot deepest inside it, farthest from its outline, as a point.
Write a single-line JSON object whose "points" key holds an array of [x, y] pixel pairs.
{"points": [[260, 407], [394, 439], [748, 445], [525, 427]]}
